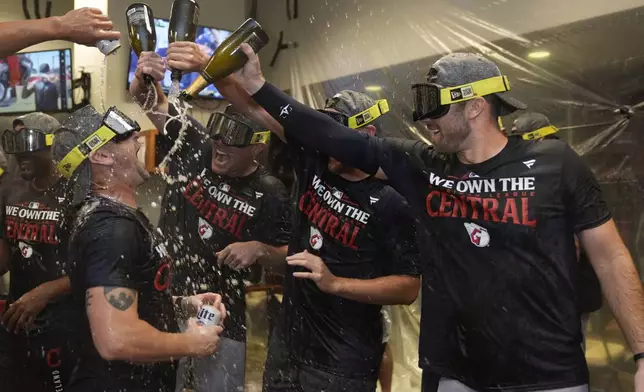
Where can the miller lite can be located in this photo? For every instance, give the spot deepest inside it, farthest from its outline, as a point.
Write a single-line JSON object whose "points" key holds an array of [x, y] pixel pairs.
{"points": [[208, 315]]}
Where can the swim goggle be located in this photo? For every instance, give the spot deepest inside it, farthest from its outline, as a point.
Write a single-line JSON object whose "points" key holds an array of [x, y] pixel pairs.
{"points": [[540, 133], [116, 127], [25, 140], [431, 100], [361, 119], [234, 133]]}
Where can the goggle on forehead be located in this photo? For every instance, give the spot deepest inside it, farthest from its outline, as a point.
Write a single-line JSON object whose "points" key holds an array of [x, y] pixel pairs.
{"points": [[25, 140], [361, 119], [234, 133], [540, 133], [431, 100], [116, 127]]}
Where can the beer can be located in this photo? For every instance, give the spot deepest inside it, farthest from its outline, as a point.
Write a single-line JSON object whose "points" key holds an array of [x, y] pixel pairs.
{"points": [[208, 315], [108, 47]]}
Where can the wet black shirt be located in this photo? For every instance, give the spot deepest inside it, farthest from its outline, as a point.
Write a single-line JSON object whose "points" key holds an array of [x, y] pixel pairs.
{"points": [[362, 230], [34, 224], [114, 245], [204, 212], [500, 257]]}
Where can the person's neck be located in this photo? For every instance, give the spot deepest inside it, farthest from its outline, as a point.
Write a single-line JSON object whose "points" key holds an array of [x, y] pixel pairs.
{"points": [[483, 146], [121, 193], [353, 175]]}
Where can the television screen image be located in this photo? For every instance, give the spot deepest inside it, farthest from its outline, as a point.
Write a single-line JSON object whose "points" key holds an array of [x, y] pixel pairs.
{"points": [[36, 81], [207, 38]]}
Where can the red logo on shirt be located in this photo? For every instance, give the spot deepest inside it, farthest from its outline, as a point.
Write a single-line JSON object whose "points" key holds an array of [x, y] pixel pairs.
{"points": [[53, 358], [162, 277]]}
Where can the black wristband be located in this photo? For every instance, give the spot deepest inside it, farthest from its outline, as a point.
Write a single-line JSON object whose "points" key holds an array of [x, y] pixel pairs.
{"points": [[638, 356]]}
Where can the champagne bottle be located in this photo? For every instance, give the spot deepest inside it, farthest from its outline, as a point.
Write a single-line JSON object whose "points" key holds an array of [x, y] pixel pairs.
{"points": [[184, 17], [141, 30], [228, 56]]}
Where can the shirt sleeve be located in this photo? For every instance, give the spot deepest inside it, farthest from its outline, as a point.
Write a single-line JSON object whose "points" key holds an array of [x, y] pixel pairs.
{"points": [[109, 249], [400, 237], [194, 134], [320, 132], [583, 196]]}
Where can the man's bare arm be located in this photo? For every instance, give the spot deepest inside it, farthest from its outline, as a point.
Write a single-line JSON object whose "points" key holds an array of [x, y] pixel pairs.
{"points": [[119, 333], [386, 290], [83, 26], [619, 280]]}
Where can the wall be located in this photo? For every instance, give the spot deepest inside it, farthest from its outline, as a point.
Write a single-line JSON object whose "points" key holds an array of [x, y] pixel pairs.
{"points": [[361, 35], [225, 14]]}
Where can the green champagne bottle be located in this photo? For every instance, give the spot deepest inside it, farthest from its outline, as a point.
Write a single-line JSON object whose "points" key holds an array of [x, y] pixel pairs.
{"points": [[184, 18], [141, 30], [228, 56]]}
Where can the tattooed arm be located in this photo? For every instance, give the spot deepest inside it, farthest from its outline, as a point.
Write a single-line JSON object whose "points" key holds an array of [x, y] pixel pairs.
{"points": [[119, 333]]}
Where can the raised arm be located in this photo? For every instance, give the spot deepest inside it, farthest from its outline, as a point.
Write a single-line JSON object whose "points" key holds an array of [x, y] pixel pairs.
{"points": [[84, 26]]}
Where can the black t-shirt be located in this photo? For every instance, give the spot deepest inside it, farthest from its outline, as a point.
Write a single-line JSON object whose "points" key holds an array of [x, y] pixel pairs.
{"points": [[204, 212], [35, 226], [114, 245], [500, 300], [349, 225]]}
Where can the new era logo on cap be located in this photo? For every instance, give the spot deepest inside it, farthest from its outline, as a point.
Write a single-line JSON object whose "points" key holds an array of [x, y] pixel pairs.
{"points": [[461, 93]]}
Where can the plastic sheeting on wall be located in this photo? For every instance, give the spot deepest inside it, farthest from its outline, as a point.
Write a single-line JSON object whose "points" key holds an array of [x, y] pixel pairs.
{"points": [[579, 63]]}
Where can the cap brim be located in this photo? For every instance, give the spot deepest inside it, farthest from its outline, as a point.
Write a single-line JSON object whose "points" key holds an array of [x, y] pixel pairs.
{"points": [[509, 104]]}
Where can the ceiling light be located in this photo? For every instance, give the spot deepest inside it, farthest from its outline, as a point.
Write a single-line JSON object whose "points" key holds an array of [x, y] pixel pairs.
{"points": [[540, 54], [373, 88]]}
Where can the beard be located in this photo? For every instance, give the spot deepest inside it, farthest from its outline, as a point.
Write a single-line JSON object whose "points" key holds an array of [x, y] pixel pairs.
{"points": [[451, 137]]}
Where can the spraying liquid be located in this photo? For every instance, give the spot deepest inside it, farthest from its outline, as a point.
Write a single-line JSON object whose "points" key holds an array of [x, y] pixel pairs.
{"points": [[181, 109], [102, 90], [175, 90]]}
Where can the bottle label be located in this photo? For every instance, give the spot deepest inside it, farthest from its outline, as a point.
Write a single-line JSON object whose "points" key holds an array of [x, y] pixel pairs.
{"points": [[136, 16], [255, 42]]}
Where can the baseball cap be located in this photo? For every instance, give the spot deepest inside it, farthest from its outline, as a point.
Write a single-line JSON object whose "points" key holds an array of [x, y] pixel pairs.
{"points": [[80, 125], [37, 120], [529, 122], [457, 69], [351, 103]]}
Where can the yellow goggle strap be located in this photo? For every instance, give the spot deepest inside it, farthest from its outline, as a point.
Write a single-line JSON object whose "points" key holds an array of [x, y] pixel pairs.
{"points": [[363, 118], [500, 120], [1, 171], [540, 133], [49, 139], [465, 92], [75, 157], [261, 137]]}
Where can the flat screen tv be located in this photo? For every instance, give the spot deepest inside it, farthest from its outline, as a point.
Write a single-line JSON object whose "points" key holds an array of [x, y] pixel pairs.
{"points": [[207, 38], [36, 81]]}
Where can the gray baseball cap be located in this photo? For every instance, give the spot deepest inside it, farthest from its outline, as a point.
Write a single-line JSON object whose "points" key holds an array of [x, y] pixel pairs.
{"points": [[457, 69], [350, 103], [40, 121], [80, 124], [529, 122]]}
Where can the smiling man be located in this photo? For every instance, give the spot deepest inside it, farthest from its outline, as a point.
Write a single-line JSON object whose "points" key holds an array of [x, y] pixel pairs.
{"points": [[222, 212]]}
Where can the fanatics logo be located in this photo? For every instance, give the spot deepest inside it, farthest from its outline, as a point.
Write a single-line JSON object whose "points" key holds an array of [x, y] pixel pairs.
{"points": [[205, 230], [258, 195], [530, 163], [478, 235], [316, 239], [25, 250], [373, 200], [285, 111], [224, 187]]}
